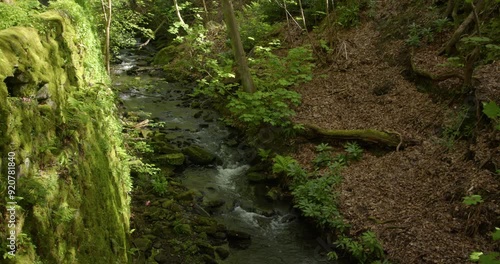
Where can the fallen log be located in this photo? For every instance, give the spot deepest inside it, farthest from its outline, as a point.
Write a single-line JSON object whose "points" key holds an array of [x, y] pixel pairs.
{"points": [[390, 139]]}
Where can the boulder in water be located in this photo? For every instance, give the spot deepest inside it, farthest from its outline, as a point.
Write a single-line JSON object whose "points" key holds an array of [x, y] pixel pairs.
{"points": [[175, 159], [198, 155], [238, 239]]}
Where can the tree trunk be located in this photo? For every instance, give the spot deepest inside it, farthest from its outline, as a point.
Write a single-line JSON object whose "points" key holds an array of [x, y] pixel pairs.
{"points": [[206, 11], [469, 68], [239, 53], [106, 9], [390, 139], [302, 13], [178, 11], [457, 35]]}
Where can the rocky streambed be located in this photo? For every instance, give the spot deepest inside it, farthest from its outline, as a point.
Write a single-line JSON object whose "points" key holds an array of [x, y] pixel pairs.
{"points": [[217, 208]]}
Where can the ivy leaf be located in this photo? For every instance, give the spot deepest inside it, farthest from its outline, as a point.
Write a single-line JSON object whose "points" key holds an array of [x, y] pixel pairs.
{"points": [[474, 256], [473, 199], [496, 234], [490, 258], [491, 110]]}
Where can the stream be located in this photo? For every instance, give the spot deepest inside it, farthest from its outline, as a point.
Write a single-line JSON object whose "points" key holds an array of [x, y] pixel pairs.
{"points": [[278, 234]]}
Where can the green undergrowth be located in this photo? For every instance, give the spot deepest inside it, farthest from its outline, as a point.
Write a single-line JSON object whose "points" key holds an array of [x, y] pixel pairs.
{"points": [[58, 116], [315, 194]]}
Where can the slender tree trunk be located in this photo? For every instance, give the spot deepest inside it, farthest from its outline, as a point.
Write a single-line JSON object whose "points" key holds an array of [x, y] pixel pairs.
{"points": [[303, 16], [206, 10], [286, 13], [239, 53], [178, 11], [449, 8], [457, 35], [106, 9]]}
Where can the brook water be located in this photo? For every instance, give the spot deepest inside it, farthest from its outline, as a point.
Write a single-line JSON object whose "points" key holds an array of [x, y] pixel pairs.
{"points": [[278, 235]]}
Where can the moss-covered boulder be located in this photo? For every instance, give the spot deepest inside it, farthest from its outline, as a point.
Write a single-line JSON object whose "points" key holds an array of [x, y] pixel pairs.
{"points": [[175, 159], [57, 110], [142, 243], [165, 55], [198, 155], [164, 148]]}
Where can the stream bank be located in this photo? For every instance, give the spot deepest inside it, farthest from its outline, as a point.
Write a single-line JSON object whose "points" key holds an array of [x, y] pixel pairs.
{"points": [[210, 212]]}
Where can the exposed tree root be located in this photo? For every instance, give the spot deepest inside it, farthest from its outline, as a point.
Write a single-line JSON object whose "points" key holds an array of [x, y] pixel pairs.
{"points": [[391, 139]]}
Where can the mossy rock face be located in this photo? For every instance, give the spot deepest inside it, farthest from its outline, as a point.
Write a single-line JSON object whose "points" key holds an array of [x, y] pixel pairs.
{"points": [[198, 155], [166, 55], [45, 90], [175, 159]]}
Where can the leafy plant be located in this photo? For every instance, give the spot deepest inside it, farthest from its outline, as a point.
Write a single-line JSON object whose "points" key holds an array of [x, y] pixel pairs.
{"points": [[458, 127], [442, 23], [322, 159], [354, 151], [348, 14], [254, 29], [489, 258], [473, 199], [365, 249], [323, 147], [492, 111], [316, 199], [417, 33], [160, 184], [264, 153], [261, 107], [282, 163], [272, 72]]}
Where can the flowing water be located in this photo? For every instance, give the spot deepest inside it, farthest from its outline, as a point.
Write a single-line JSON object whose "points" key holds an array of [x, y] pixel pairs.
{"points": [[278, 234]]}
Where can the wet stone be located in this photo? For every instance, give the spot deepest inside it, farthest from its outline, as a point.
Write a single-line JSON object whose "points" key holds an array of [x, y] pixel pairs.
{"points": [[198, 114], [208, 259], [142, 244], [162, 258], [222, 253]]}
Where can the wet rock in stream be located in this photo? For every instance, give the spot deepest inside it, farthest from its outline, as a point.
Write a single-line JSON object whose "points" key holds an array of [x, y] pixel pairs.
{"points": [[198, 155], [238, 239]]}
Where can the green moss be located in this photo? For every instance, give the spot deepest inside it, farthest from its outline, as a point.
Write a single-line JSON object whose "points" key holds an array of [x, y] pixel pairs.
{"points": [[75, 187], [165, 55], [198, 155], [175, 159]]}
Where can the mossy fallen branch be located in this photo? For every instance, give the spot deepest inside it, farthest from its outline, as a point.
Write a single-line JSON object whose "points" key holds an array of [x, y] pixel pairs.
{"points": [[391, 139]]}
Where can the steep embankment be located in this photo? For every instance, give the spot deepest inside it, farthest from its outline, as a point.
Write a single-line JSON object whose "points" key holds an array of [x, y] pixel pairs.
{"points": [[57, 119], [411, 198]]}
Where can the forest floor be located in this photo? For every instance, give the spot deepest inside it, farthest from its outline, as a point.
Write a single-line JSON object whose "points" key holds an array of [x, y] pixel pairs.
{"points": [[412, 198]]}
